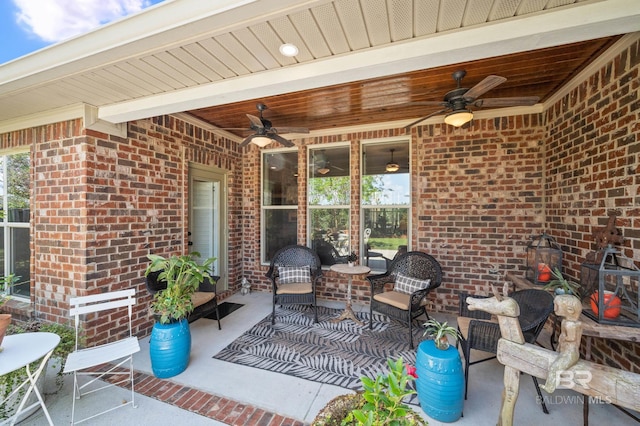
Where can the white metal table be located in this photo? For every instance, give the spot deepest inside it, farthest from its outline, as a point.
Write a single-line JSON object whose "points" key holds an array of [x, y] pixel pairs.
{"points": [[350, 271], [20, 350]]}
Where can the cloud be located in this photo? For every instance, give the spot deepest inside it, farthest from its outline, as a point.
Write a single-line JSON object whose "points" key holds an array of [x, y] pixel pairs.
{"points": [[56, 20]]}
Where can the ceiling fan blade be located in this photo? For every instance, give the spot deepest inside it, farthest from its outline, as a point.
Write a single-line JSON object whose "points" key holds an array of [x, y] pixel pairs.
{"points": [[290, 130], [255, 122], [424, 118], [425, 103], [488, 83], [246, 141], [505, 102], [280, 139]]}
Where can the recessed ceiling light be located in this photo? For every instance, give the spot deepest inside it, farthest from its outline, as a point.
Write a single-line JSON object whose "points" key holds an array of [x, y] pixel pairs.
{"points": [[289, 49]]}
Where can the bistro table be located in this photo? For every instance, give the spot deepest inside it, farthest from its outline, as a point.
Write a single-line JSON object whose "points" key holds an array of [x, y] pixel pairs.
{"points": [[350, 271], [20, 350]]}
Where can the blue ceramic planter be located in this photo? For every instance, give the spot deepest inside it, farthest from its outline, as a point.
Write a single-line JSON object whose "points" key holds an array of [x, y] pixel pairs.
{"points": [[440, 382], [170, 348]]}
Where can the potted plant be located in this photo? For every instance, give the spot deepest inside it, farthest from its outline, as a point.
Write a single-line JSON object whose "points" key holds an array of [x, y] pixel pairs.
{"points": [[440, 382], [440, 332], [381, 402], [560, 285], [5, 319], [170, 343], [352, 258]]}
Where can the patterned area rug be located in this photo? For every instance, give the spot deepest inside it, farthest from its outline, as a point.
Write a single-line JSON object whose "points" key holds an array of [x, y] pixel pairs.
{"points": [[327, 352]]}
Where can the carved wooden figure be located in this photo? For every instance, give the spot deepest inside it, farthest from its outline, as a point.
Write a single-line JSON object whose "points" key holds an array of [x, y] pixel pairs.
{"points": [[606, 383]]}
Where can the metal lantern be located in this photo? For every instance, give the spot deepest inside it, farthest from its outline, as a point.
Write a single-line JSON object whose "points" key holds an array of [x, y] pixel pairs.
{"points": [[543, 256], [611, 288]]}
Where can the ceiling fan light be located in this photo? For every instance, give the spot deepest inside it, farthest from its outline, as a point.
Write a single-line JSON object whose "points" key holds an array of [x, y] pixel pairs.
{"points": [[261, 141], [323, 170], [289, 49], [392, 167], [458, 118]]}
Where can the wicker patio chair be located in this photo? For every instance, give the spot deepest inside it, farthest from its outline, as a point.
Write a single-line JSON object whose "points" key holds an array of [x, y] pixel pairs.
{"points": [[327, 253], [413, 275], [294, 273], [481, 333]]}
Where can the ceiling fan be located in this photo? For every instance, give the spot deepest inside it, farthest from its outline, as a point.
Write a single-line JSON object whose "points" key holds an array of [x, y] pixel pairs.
{"points": [[265, 133], [458, 100]]}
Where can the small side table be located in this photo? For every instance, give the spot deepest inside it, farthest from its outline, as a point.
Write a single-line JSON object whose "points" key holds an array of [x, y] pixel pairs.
{"points": [[20, 350], [350, 271]]}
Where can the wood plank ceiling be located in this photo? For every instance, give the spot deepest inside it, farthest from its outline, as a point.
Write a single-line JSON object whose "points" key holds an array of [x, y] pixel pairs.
{"points": [[538, 73]]}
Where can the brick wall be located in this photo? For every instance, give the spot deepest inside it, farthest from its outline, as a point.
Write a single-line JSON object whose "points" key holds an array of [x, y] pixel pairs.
{"points": [[592, 169], [102, 203], [477, 199]]}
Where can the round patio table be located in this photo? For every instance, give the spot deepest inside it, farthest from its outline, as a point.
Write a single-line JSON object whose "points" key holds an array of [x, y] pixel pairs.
{"points": [[350, 271], [20, 350]]}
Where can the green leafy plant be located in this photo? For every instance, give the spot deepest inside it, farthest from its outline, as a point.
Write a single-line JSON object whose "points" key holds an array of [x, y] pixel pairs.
{"points": [[560, 285], [10, 380], [439, 331], [352, 257], [383, 399], [5, 283], [183, 276]]}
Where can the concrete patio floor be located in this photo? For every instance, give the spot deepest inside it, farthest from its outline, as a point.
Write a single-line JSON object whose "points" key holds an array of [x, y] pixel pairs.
{"points": [[234, 394]]}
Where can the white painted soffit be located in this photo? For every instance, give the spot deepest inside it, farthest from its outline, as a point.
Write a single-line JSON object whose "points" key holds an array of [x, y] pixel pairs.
{"points": [[582, 21], [159, 27]]}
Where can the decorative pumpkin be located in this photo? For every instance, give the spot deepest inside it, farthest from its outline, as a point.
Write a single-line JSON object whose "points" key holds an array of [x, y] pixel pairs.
{"points": [[544, 272], [612, 304]]}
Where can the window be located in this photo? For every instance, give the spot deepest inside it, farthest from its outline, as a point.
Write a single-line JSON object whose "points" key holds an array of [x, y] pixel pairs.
{"points": [[386, 200], [329, 200], [14, 226], [279, 201]]}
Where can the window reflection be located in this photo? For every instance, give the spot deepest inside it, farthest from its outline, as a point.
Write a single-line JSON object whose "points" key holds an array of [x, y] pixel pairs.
{"points": [[329, 199], [386, 199], [279, 201]]}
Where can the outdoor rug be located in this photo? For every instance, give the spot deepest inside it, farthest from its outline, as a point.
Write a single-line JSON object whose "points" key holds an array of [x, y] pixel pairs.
{"points": [[327, 352]]}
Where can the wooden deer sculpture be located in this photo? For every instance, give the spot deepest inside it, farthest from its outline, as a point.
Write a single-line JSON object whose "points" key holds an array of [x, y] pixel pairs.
{"points": [[564, 369]]}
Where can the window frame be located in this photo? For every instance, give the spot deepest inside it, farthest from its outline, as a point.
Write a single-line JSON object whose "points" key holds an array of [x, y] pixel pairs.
{"points": [[264, 208], [8, 258], [310, 207], [363, 207]]}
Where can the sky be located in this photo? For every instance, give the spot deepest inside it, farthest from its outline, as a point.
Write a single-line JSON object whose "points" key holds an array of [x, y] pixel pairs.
{"points": [[30, 25]]}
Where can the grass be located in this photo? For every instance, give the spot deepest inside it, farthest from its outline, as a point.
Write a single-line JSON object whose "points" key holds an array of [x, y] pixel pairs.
{"points": [[387, 243]]}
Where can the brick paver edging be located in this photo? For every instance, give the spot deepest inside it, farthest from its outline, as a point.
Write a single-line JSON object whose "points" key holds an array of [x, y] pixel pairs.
{"points": [[215, 407]]}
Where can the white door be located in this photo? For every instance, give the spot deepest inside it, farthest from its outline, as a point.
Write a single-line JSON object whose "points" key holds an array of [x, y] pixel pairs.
{"points": [[207, 235]]}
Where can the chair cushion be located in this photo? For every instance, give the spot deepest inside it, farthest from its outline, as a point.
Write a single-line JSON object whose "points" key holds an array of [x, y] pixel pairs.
{"points": [[294, 288], [201, 297], [294, 274], [408, 285], [394, 298]]}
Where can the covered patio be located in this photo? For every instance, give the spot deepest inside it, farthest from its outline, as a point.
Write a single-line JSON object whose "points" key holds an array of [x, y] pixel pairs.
{"points": [[213, 390], [120, 131]]}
